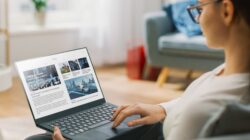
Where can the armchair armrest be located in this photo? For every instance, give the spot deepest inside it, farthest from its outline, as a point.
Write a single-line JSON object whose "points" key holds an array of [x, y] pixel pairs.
{"points": [[155, 25], [244, 136]]}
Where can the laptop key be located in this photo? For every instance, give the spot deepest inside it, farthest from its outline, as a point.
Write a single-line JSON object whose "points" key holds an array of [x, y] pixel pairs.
{"points": [[62, 128], [81, 130], [85, 128], [72, 134]]}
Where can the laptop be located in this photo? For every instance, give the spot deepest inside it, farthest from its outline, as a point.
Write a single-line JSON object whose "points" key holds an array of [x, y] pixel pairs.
{"points": [[63, 90]]}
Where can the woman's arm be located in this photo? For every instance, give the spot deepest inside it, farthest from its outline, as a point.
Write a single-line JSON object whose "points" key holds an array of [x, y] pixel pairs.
{"points": [[168, 106], [191, 120]]}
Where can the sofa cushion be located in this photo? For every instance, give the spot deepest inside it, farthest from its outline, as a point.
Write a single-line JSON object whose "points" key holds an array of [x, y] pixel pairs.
{"points": [[180, 44], [177, 11]]}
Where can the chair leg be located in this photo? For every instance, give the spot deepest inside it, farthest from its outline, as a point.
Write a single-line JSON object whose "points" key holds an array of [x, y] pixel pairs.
{"points": [[188, 79], [163, 76], [146, 71], [189, 75]]}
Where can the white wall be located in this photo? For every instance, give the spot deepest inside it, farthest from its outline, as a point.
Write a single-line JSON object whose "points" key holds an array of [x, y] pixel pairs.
{"points": [[28, 41], [141, 8], [2, 50], [36, 43]]}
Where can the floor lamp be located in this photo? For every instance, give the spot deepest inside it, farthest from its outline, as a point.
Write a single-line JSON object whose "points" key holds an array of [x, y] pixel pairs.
{"points": [[5, 69]]}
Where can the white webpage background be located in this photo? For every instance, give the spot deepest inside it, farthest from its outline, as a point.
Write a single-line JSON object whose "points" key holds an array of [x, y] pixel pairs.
{"points": [[26, 65]]}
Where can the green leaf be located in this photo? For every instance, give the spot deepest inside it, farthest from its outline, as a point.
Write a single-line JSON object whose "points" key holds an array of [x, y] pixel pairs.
{"points": [[40, 4]]}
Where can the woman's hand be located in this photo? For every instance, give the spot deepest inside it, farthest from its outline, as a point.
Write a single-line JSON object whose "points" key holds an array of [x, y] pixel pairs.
{"points": [[150, 114], [57, 135]]}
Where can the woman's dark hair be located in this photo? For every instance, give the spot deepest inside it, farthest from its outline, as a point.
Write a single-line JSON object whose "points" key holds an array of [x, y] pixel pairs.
{"points": [[242, 10]]}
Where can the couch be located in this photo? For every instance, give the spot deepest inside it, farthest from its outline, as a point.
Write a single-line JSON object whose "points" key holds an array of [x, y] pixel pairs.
{"points": [[166, 47]]}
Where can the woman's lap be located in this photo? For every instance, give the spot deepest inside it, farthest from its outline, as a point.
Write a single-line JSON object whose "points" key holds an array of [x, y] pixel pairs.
{"points": [[44, 136], [148, 132]]}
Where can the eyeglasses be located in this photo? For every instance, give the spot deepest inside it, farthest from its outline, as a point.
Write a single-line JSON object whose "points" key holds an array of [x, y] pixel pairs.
{"points": [[195, 10]]}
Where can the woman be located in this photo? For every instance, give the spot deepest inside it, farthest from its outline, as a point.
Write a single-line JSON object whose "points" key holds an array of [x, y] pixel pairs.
{"points": [[226, 25]]}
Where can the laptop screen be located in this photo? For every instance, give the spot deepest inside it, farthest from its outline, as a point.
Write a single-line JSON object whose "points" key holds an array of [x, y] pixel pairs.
{"points": [[59, 82]]}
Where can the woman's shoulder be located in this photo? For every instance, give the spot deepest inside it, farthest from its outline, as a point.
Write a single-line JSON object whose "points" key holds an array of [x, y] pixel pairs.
{"points": [[204, 78]]}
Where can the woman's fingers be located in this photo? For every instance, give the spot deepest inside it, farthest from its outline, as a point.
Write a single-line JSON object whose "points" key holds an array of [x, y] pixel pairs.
{"points": [[117, 111], [57, 135], [141, 121], [131, 110]]}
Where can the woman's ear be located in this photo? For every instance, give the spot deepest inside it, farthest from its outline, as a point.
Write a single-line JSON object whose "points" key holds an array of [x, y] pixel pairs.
{"points": [[227, 12]]}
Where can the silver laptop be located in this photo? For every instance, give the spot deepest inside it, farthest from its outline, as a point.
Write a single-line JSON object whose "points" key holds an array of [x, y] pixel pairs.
{"points": [[63, 90]]}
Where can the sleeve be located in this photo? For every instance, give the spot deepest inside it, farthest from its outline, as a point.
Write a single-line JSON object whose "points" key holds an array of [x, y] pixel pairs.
{"points": [[190, 122], [168, 106]]}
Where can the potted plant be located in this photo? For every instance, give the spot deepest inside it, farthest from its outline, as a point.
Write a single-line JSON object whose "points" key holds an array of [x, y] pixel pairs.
{"points": [[40, 11]]}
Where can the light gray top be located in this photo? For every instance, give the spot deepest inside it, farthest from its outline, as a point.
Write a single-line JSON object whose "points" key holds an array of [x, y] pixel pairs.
{"points": [[187, 114]]}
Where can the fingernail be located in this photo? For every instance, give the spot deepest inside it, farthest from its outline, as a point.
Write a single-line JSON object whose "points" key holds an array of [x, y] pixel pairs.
{"points": [[114, 117], [130, 123], [114, 125]]}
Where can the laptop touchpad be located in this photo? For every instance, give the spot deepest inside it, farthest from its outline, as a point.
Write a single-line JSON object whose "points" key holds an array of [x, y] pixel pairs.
{"points": [[107, 129]]}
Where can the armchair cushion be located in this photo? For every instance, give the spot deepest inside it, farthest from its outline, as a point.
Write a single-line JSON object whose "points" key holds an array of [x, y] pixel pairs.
{"points": [[180, 44], [181, 18]]}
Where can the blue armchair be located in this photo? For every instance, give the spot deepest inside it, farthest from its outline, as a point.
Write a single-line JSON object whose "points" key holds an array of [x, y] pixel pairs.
{"points": [[166, 47], [229, 123]]}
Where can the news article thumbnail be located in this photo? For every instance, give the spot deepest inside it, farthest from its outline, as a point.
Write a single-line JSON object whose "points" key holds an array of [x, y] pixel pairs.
{"points": [[74, 66], [41, 78], [83, 62], [81, 86], [64, 67]]}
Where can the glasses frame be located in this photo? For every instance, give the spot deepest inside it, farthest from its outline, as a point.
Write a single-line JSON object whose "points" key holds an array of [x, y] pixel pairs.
{"points": [[196, 7]]}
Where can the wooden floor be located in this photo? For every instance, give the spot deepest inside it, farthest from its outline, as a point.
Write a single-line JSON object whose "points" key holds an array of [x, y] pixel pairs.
{"points": [[117, 88]]}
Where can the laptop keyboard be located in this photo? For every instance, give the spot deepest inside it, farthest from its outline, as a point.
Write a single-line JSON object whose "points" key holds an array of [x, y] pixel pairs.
{"points": [[84, 121]]}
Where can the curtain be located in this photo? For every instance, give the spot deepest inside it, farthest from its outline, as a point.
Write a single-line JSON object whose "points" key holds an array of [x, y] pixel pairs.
{"points": [[107, 26], [2, 38]]}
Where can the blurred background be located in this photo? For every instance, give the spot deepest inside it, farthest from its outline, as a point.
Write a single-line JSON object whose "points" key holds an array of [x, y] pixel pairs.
{"points": [[143, 50], [104, 26]]}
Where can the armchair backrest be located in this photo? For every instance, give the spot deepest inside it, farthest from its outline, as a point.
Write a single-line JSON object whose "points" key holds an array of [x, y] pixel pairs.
{"points": [[232, 119]]}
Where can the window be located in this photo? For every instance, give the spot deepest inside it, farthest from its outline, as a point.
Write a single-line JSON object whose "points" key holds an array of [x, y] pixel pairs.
{"points": [[58, 11]]}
